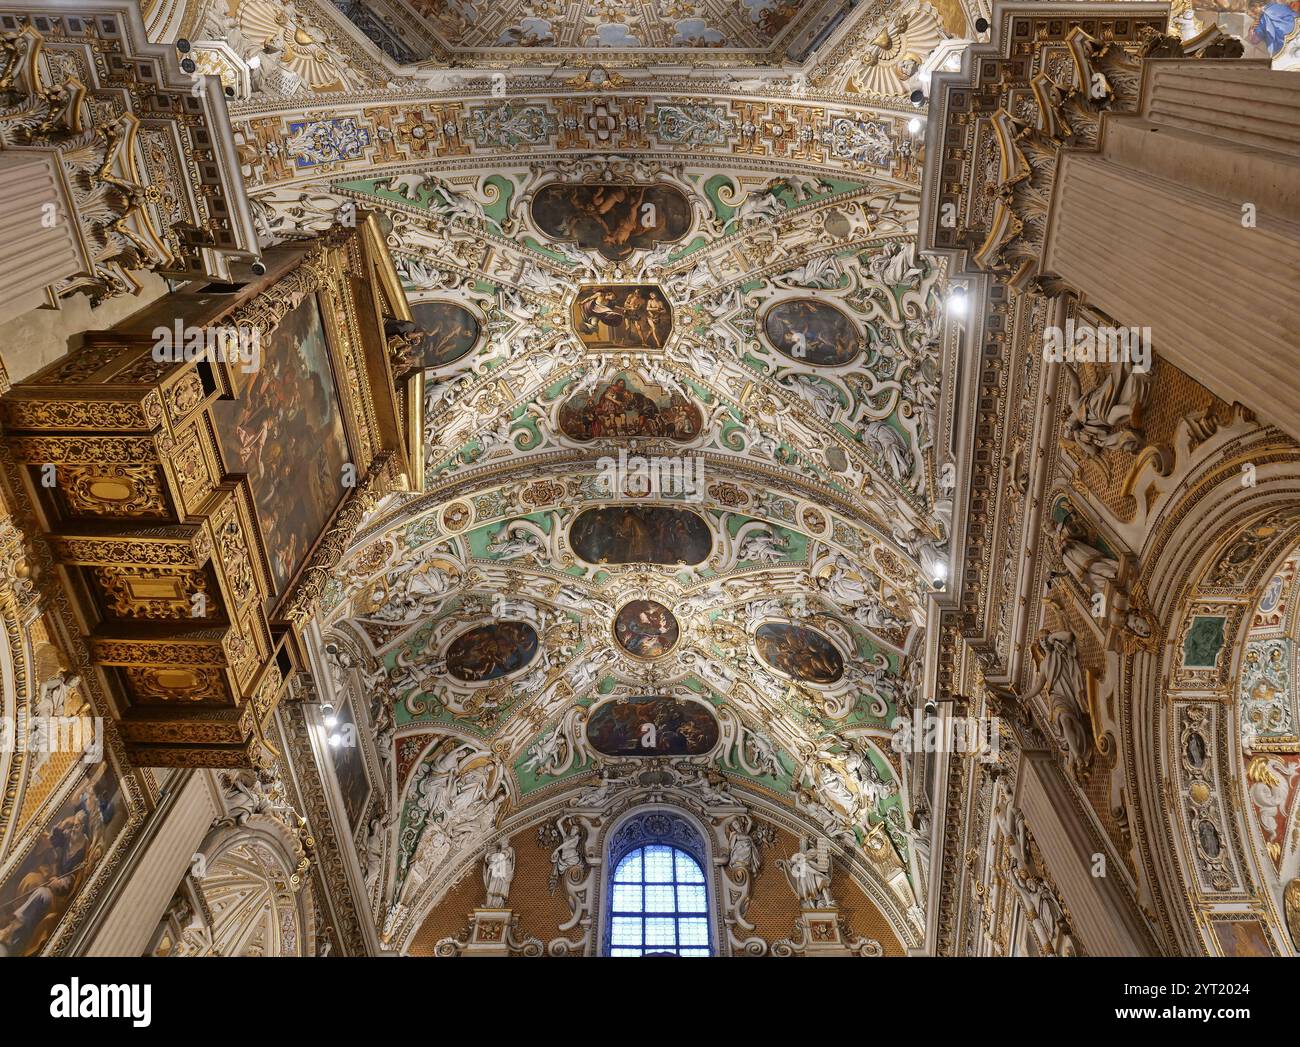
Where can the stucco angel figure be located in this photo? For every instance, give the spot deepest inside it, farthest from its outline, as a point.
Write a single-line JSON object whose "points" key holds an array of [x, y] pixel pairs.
{"points": [[545, 754], [762, 546], [51, 703], [376, 838], [808, 871], [891, 447], [515, 542], [762, 754], [845, 583], [498, 873]]}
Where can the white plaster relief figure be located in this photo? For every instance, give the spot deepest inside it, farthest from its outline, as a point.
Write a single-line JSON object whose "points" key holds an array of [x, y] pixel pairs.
{"points": [[498, 874]]}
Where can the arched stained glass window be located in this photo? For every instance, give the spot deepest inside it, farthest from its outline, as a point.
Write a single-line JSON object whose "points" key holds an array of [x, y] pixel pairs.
{"points": [[659, 904]]}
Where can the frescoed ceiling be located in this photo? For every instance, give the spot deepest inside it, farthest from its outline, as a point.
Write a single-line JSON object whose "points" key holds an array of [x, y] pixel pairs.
{"points": [[466, 32], [682, 372]]}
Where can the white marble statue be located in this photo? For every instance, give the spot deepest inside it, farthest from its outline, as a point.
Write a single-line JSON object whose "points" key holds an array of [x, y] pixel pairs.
{"points": [[1060, 676], [498, 872], [1088, 565], [742, 852], [808, 871], [891, 447]]}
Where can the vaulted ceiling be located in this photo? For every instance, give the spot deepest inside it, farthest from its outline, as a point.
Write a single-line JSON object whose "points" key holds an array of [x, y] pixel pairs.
{"points": [[752, 32], [682, 377]]}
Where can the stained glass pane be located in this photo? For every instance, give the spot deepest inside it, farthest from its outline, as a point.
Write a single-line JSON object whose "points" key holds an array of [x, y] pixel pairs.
{"points": [[661, 930], [659, 865], [629, 869], [691, 899], [687, 870], [694, 931], [627, 897], [626, 930]]}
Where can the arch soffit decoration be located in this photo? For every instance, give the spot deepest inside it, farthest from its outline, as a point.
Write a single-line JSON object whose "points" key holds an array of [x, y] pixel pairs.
{"points": [[1167, 695]]}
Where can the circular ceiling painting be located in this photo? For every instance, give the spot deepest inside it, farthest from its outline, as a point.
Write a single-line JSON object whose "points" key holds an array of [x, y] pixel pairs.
{"points": [[491, 651], [646, 629], [812, 331], [799, 652]]}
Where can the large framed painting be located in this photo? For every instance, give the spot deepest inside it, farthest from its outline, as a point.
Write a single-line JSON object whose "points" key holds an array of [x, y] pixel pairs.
{"points": [[627, 406], [350, 766], [492, 651], [646, 629], [285, 430], [1241, 936], [812, 332], [39, 890]]}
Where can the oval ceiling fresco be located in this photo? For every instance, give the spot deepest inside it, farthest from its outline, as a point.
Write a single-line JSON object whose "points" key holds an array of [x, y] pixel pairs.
{"points": [[812, 331], [652, 727], [640, 534], [491, 651], [646, 629], [628, 406], [799, 652], [612, 219], [447, 332]]}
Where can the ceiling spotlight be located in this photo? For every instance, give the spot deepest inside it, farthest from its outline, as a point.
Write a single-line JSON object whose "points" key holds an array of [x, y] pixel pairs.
{"points": [[914, 125], [188, 65], [939, 575], [183, 46], [259, 268], [981, 25], [328, 714], [336, 740], [918, 97], [957, 301]]}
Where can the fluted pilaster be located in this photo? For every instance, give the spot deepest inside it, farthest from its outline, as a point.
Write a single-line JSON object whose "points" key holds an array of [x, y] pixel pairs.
{"points": [[38, 235], [1187, 221]]}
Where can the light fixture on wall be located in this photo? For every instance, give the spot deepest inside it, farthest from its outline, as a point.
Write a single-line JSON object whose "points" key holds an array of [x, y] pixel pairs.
{"points": [[914, 125], [939, 575], [328, 716], [957, 303]]}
